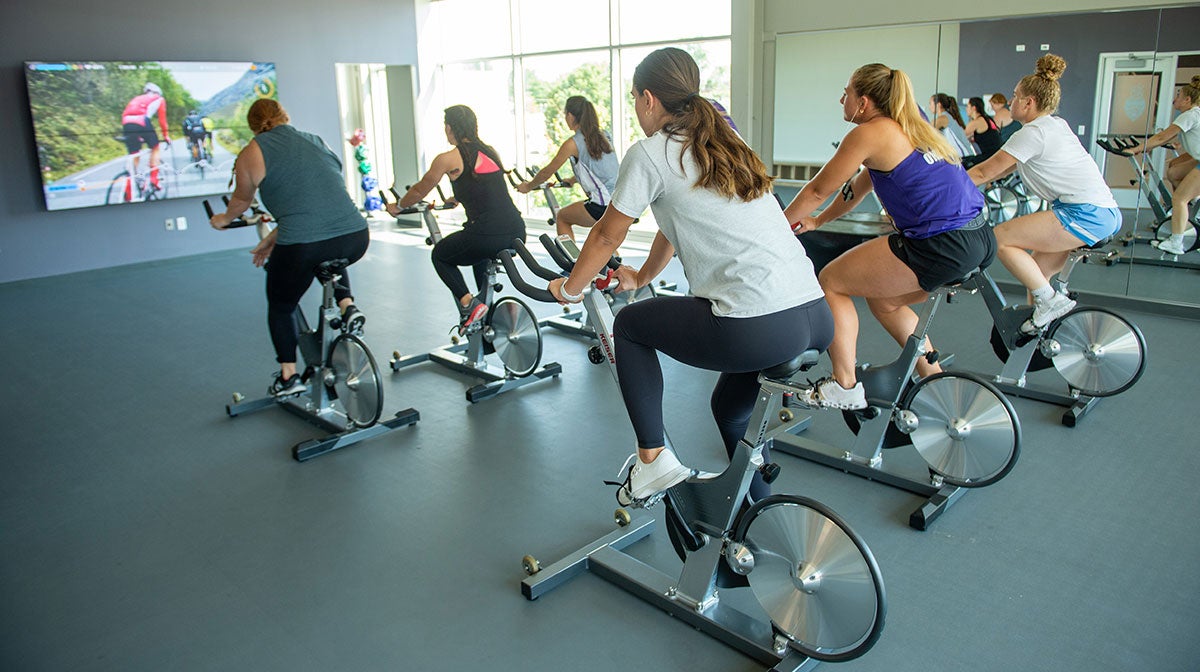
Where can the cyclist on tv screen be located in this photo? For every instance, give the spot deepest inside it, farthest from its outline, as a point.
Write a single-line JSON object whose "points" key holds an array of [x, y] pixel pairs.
{"points": [[137, 122]]}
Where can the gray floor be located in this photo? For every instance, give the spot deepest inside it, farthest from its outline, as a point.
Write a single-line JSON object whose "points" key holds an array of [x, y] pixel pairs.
{"points": [[142, 529]]}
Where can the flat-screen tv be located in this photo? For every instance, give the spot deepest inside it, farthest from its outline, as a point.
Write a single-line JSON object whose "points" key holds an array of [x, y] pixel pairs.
{"points": [[102, 127]]}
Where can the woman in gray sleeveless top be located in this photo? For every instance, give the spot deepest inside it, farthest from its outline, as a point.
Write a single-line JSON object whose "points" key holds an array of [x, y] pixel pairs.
{"points": [[592, 157], [299, 180]]}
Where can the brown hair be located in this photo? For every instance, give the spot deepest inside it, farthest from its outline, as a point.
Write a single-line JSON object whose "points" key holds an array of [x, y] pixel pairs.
{"points": [[727, 164], [585, 115], [1042, 85], [998, 99], [1191, 90], [950, 106], [265, 114], [892, 92], [465, 126]]}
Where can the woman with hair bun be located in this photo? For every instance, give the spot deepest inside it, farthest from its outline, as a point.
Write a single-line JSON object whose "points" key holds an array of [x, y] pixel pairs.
{"points": [[493, 221], [594, 161], [1054, 166], [299, 180], [755, 300], [1182, 171], [941, 227]]}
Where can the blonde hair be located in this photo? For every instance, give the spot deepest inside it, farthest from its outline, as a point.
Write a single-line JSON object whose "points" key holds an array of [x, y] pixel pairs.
{"points": [[1191, 90], [1042, 85], [727, 164], [265, 114], [892, 92]]}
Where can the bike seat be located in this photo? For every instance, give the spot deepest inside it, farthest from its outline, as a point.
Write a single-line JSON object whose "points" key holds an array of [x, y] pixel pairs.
{"points": [[1099, 243], [327, 269], [802, 362], [961, 281]]}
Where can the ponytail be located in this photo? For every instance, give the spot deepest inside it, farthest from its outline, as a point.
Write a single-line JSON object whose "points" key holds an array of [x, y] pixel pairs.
{"points": [[727, 164], [950, 106], [465, 127], [892, 93], [585, 115]]}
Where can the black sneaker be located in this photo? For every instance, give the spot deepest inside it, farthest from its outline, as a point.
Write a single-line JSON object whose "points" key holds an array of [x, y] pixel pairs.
{"points": [[286, 388], [353, 320], [471, 316]]}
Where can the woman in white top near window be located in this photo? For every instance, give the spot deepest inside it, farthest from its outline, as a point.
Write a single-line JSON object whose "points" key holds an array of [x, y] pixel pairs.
{"points": [[1183, 171], [594, 161], [755, 299], [1054, 166]]}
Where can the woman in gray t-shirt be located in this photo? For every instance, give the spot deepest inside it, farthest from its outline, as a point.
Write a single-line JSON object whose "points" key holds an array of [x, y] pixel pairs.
{"points": [[594, 160], [755, 300]]}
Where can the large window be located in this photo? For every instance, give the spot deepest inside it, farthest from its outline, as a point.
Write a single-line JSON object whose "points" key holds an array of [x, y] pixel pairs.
{"points": [[515, 62]]}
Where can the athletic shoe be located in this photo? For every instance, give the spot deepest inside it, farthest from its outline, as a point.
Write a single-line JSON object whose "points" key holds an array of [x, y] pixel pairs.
{"points": [[285, 388], [645, 481], [1045, 312], [353, 320], [828, 393], [1171, 246], [471, 315]]}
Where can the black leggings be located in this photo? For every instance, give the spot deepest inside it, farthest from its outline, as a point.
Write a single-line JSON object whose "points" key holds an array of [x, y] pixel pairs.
{"points": [[468, 248], [685, 329], [290, 272]]}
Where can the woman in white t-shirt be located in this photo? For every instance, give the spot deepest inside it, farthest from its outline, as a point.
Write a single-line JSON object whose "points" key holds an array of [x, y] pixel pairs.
{"points": [[1185, 179], [755, 299], [1054, 166]]}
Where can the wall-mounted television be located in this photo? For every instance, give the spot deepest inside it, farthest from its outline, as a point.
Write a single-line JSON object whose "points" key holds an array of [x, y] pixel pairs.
{"points": [[101, 127]]}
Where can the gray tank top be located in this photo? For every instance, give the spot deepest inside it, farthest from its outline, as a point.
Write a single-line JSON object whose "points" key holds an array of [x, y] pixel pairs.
{"points": [[597, 177], [303, 187]]}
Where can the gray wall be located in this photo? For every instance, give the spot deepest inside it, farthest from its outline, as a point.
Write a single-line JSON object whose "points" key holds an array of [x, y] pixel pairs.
{"points": [[303, 37], [989, 64]]}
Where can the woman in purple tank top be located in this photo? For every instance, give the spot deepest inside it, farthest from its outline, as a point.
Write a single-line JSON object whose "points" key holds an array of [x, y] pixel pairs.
{"points": [[941, 230]]}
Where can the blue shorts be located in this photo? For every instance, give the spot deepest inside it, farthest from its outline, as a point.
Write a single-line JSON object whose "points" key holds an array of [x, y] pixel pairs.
{"points": [[1087, 222]]}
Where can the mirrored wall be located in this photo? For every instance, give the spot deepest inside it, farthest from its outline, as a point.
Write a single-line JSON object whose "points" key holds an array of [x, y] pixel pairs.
{"points": [[1124, 68]]}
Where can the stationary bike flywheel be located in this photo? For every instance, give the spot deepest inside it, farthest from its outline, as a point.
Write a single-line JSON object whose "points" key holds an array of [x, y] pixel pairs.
{"points": [[514, 336], [356, 380], [814, 576], [1099, 353]]}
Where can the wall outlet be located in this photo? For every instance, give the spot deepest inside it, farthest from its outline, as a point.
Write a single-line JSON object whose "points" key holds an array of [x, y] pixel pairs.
{"points": [[170, 224], [1020, 47], [1081, 129], [181, 223], [1045, 47]]}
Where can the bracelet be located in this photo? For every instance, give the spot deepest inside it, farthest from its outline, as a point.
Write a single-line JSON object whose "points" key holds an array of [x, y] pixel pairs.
{"points": [[571, 298]]}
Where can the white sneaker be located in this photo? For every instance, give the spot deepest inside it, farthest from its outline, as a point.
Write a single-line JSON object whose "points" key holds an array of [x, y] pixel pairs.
{"points": [[828, 393], [1171, 246], [647, 480], [1045, 312]]}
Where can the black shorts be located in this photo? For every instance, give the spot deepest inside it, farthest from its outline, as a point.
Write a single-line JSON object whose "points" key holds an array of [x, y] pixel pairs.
{"points": [[136, 134], [946, 257], [594, 209]]}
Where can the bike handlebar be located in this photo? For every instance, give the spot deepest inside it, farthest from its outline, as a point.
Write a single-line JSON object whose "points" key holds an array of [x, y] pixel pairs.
{"points": [[1112, 148], [514, 275], [257, 216], [527, 257]]}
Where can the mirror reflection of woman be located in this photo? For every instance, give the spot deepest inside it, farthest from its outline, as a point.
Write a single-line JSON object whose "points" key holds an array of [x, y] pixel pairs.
{"points": [[1054, 166], [1182, 171], [942, 232], [590, 151]]}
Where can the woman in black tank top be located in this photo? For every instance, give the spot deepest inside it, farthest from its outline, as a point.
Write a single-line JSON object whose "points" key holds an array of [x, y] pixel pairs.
{"points": [[493, 221], [983, 131]]}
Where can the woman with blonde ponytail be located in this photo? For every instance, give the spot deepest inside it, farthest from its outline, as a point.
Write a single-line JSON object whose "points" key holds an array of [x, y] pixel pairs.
{"points": [[595, 164], [755, 300], [1054, 166], [941, 228], [1182, 171]]}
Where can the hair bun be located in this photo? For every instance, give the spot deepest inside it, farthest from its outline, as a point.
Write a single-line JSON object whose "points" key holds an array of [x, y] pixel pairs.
{"points": [[1051, 67], [1196, 81]]}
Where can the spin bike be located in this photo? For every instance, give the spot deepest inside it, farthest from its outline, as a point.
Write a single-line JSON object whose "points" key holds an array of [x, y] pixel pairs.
{"points": [[1096, 351], [573, 321], [944, 434], [818, 586], [345, 390], [1159, 196], [509, 329]]}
